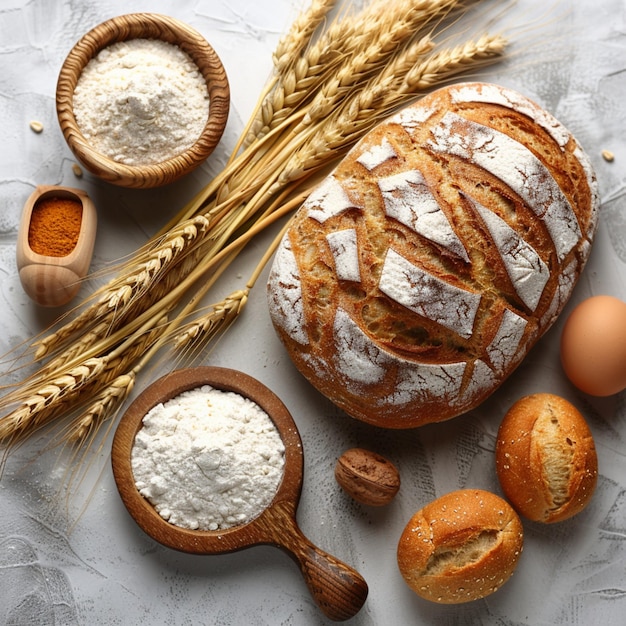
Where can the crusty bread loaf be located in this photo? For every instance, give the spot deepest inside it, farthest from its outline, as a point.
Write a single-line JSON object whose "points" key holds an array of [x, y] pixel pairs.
{"points": [[546, 458], [418, 275], [461, 547]]}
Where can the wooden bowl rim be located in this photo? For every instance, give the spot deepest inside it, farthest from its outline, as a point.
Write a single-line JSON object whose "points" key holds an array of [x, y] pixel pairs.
{"points": [[144, 25], [144, 513]]}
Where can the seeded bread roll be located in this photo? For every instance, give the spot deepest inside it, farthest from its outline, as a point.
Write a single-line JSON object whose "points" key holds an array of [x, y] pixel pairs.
{"points": [[461, 547], [418, 275], [546, 458]]}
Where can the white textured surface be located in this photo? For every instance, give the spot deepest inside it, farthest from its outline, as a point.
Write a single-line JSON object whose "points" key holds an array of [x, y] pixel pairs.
{"points": [[166, 108], [343, 246], [496, 96], [327, 200], [528, 273], [106, 571]]}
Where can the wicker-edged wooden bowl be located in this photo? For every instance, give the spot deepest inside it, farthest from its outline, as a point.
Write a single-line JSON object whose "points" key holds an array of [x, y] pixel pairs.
{"points": [[143, 26]]}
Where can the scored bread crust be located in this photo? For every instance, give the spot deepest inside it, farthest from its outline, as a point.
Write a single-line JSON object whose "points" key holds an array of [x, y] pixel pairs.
{"points": [[460, 547], [546, 458], [416, 276]]}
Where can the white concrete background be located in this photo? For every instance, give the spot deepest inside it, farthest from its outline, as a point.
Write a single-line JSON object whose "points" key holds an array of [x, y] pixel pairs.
{"points": [[104, 570]]}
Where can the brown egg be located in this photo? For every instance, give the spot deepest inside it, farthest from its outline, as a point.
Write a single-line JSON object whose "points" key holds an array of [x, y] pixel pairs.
{"points": [[593, 346]]}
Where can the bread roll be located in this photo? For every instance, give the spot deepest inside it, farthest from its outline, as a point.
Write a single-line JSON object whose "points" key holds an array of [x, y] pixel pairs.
{"points": [[461, 547], [546, 458], [419, 273]]}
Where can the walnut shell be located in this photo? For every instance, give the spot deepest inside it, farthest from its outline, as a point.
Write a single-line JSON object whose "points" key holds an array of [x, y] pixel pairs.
{"points": [[367, 477]]}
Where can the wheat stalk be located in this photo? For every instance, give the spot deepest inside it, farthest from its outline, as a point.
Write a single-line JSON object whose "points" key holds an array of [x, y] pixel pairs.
{"points": [[367, 41], [370, 54], [380, 98], [287, 53], [104, 405], [450, 62], [152, 262], [220, 316], [40, 402]]}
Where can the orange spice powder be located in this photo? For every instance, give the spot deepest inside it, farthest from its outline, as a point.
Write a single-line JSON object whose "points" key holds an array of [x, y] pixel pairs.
{"points": [[55, 226]]}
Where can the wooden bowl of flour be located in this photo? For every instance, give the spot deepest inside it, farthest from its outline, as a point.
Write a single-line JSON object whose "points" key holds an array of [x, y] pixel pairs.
{"points": [[337, 589], [142, 130]]}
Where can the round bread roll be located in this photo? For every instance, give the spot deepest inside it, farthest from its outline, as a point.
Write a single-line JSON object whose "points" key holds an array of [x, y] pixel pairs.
{"points": [[461, 547], [418, 275], [546, 458]]}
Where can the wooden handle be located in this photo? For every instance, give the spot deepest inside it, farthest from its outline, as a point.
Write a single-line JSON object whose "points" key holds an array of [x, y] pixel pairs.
{"points": [[337, 589]]}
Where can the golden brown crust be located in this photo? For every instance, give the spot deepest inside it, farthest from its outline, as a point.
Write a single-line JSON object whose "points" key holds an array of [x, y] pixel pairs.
{"points": [[546, 459], [417, 276], [461, 547]]}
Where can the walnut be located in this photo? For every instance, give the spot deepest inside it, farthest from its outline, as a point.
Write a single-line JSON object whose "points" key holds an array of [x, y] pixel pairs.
{"points": [[367, 477]]}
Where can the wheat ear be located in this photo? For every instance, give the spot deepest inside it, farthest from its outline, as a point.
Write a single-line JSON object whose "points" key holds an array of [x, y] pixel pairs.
{"points": [[289, 49], [450, 62], [48, 401], [49, 397], [103, 407], [152, 263], [386, 93]]}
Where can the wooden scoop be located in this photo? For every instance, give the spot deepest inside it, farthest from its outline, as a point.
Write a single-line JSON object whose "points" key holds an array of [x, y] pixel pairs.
{"points": [[337, 589], [55, 280]]}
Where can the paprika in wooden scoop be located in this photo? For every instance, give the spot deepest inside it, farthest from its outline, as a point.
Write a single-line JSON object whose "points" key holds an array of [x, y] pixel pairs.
{"points": [[55, 243]]}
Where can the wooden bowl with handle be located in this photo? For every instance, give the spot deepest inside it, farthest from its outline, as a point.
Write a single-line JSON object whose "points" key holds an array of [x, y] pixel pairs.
{"points": [[143, 26], [337, 589]]}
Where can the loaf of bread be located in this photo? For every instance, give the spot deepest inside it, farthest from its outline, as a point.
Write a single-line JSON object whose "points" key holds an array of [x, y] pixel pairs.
{"points": [[461, 547], [546, 458], [420, 272]]}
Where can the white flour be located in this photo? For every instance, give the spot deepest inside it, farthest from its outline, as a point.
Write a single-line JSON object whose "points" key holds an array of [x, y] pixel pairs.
{"points": [[141, 101], [208, 459]]}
